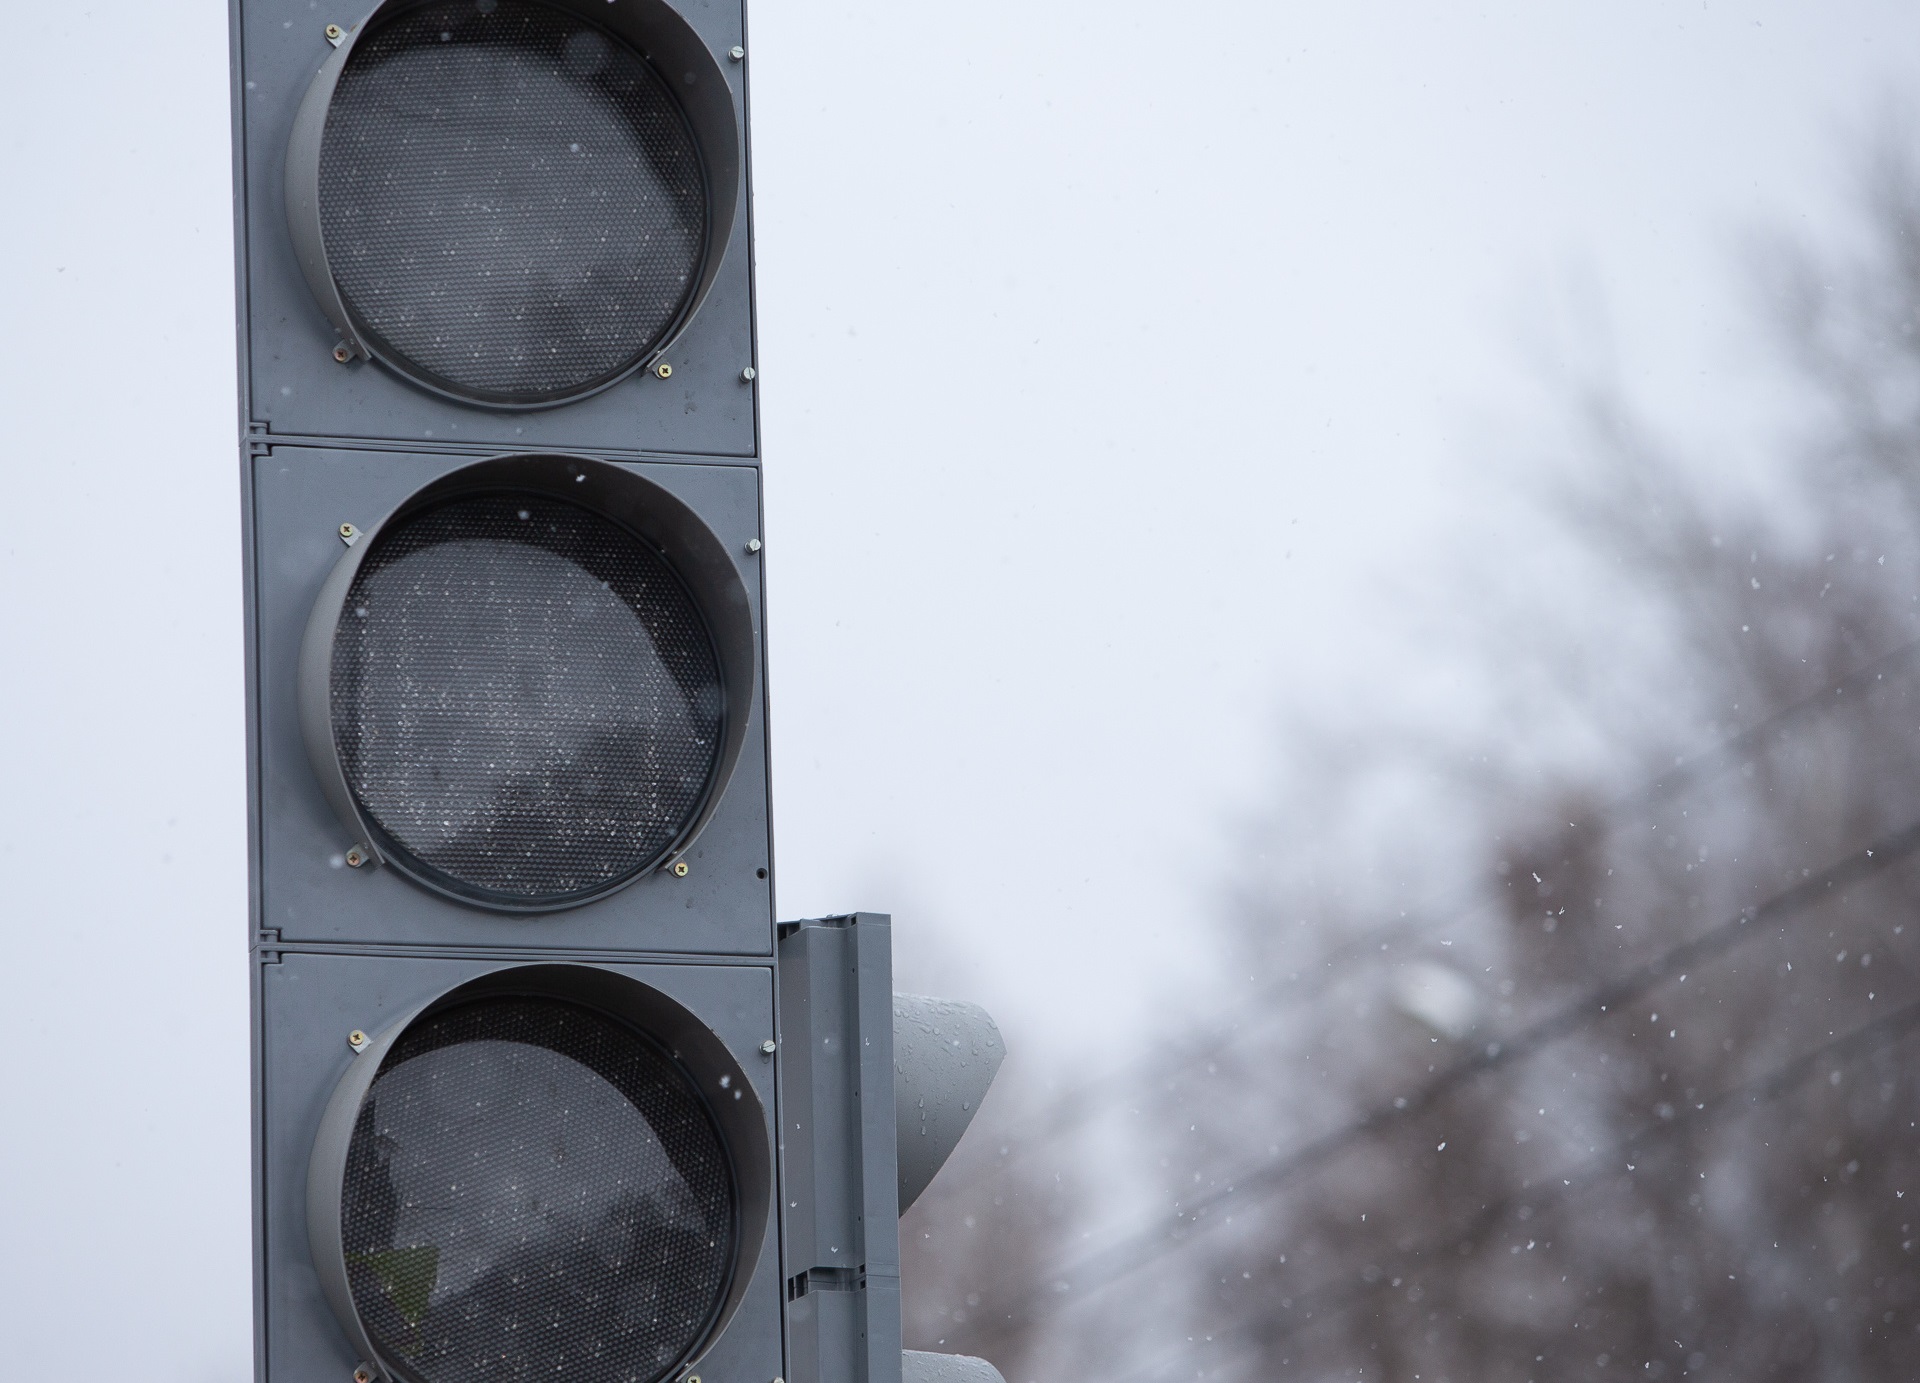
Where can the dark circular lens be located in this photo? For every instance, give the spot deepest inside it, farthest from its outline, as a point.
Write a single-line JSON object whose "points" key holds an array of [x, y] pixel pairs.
{"points": [[533, 1190], [526, 703], [511, 200]]}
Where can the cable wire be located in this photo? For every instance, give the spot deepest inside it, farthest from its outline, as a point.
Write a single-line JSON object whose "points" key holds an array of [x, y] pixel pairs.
{"points": [[1331, 1300], [1078, 1106], [1117, 1261]]}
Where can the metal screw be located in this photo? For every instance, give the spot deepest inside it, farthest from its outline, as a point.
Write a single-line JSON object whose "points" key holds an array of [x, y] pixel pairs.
{"points": [[343, 352], [358, 1040], [349, 534], [746, 375], [768, 1046], [753, 545], [664, 370], [679, 869], [334, 34], [737, 53], [356, 857]]}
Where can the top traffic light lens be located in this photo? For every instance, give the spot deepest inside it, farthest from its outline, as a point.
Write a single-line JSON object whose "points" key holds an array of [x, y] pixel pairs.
{"points": [[511, 201]]}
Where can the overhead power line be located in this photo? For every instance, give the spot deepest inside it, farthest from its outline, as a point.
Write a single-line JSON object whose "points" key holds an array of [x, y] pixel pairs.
{"points": [[1120, 1260], [1863, 1041], [1315, 1306], [1077, 1106]]}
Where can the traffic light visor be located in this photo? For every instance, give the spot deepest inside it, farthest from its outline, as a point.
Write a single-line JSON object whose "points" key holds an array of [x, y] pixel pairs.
{"points": [[514, 202], [518, 698], [530, 1177]]}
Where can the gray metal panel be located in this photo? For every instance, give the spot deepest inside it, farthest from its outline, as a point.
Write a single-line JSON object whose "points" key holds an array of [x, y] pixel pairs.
{"points": [[296, 389], [838, 1136], [301, 496], [308, 1003]]}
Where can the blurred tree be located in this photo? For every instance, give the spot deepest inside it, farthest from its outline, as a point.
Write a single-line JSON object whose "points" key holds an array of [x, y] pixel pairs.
{"points": [[1645, 1102]]}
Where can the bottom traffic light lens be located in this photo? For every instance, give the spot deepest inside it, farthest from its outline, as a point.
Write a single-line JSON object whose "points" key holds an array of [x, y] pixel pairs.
{"points": [[534, 1189]]}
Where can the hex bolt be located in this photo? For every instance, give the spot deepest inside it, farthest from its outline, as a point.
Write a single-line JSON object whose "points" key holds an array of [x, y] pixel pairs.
{"points": [[349, 534], [736, 53], [334, 34], [679, 869], [753, 545], [664, 370], [358, 1040], [356, 857], [747, 375], [768, 1046]]}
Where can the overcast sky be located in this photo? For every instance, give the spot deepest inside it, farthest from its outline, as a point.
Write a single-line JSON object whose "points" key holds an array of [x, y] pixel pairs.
{"points": [[1112, 371]]}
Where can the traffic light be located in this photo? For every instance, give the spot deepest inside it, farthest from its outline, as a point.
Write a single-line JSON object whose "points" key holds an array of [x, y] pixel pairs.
{"points": [[877, 1089], [527, 1041]]}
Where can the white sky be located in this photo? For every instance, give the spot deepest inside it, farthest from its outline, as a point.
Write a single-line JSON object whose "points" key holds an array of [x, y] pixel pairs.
{"points": [[1114, 357]]}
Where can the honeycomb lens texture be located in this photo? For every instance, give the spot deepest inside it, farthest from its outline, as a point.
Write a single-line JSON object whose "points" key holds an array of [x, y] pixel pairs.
{"points": [[534, 1191], [511, 200], [526, 703]]}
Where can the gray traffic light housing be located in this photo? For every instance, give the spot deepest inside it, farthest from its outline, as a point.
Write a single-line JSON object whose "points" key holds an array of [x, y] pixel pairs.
{"points": [[538, 1087]]}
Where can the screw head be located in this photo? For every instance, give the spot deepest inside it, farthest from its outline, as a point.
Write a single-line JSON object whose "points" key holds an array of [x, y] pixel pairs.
{"points": [[664, 370], [768, 1046], [358, 1040], [736, 52], [363, 1374], [747, 375], [356, 857], [348, 533], [753, 545], [679, 869], [343, 352], [334, 34]]}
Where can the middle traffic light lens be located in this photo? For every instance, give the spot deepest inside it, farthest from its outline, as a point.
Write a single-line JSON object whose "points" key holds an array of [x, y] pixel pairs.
{"points": [[526, 702]]}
